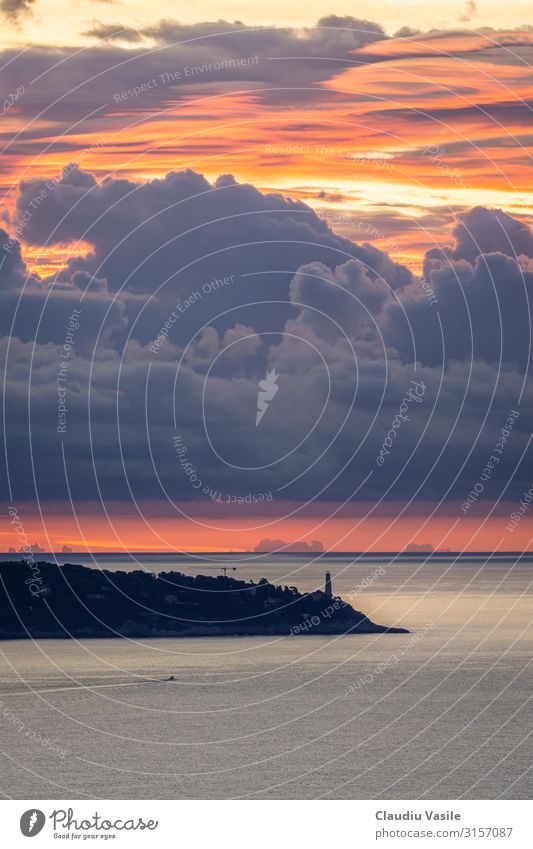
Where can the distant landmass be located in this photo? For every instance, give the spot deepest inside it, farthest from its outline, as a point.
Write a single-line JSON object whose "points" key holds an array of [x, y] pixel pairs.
{"points": [[34, 548], [273, 545], [44, 600], [27, 549]]}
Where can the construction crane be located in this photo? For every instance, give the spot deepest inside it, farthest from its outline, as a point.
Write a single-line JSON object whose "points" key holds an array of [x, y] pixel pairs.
{"points": [[224, 569]]}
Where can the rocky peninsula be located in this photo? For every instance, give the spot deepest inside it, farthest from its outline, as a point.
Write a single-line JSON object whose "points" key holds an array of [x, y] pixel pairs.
{"points": [[42, 600]]}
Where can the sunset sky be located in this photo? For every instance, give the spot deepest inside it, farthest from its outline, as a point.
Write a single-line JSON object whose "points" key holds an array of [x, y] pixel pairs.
{"points": [[346, 201]]}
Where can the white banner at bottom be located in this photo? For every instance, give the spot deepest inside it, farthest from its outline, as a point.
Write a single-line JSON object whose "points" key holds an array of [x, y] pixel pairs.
{"points": [[267, 824]]}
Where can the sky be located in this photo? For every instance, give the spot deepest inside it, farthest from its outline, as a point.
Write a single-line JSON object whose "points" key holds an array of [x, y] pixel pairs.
{"points": [[275, 209], [50, 25]]}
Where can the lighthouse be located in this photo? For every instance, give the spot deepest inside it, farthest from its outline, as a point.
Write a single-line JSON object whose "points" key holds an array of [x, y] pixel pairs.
{"points": [[328, 592]]}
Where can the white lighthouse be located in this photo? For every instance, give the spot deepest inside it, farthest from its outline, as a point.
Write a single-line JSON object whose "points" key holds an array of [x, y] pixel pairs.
{"points": [[328, 591]]}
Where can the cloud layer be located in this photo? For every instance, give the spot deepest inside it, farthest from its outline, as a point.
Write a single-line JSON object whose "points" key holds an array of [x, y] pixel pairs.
{"points": [[189, 292]]}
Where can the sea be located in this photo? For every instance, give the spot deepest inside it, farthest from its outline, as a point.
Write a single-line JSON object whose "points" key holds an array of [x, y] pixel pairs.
{"points": [[442, 712]]}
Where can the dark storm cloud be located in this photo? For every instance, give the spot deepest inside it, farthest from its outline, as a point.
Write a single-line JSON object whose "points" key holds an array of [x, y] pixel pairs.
{"points": [[353, 333], [131, 438], [340, 301], [169, 236], [483, 230], [484, 312]]}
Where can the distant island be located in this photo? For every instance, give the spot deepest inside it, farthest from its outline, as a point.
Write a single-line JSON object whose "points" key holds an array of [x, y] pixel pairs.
{"points": [[42, 600], [280, 546]]}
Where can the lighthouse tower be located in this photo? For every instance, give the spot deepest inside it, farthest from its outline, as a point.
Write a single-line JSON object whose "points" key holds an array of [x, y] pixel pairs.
{"points": [[327, 589]]}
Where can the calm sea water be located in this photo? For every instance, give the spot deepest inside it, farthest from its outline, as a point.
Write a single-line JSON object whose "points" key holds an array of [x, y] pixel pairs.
{"points": [[439, 713]]}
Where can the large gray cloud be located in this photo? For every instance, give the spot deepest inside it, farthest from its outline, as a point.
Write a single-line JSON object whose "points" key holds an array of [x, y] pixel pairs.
{"points": [[482, 312], [35, 310], [350, 333], [162, 240], [481, 230]]}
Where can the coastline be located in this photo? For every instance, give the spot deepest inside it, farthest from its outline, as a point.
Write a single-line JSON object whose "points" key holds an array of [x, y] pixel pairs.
{"points": [[42, 600]]}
